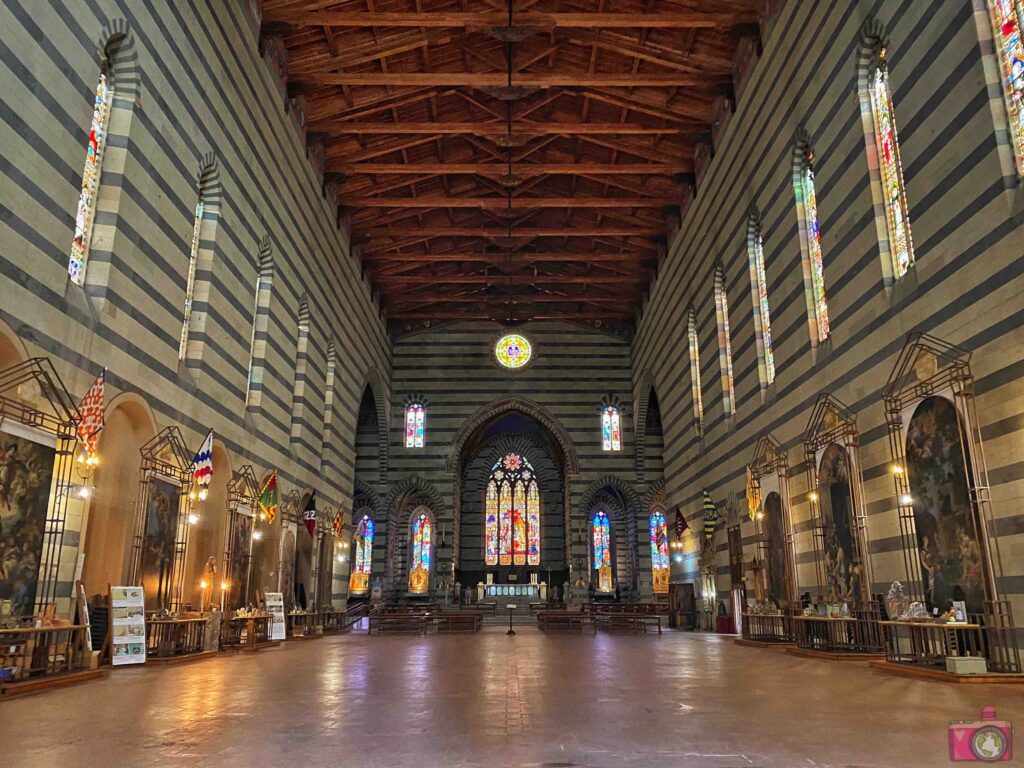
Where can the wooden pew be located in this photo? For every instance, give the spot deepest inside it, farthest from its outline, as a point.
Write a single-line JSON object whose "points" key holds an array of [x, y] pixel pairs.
{"points": [[387, 623], [626, 622], [563, 621], [460, 621]]}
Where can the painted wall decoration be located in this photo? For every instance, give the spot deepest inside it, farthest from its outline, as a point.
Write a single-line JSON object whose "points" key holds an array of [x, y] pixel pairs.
{"points": [[946, 535], [844, 572], [238, 567], [158, 541], [26, 474], [776, 556]]}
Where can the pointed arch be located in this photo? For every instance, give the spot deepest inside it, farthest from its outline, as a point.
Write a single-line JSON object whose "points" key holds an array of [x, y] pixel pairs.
{"points": [[375, 382], [260, 324], [504, 405], [810, 238], [302, 331], [200, 265]]}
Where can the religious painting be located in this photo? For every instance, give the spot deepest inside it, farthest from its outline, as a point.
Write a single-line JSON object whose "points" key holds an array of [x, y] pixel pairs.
{"points": [[844, 572], [238, 566], [26, 474], [775, 528], [602, 544], [159, 536], [951, 564], [422, 553], [287, 560], [659, 553], [362, 562]]}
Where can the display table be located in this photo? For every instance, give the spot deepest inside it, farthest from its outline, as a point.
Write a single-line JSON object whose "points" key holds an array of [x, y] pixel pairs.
{"points": [[39, 657], [249, 633], [839, 637], [762, 629], [173, 639], [332, 620], [302, 625]]}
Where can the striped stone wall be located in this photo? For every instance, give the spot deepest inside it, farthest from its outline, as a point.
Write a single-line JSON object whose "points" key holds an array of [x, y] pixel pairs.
{"points": [[191, 93], [454, 369], [965, 288]]}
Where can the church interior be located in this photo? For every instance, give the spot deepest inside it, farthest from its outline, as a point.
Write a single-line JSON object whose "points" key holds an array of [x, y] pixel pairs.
{"points": [[516, 382]]}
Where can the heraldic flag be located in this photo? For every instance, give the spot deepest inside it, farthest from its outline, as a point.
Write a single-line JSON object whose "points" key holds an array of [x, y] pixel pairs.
{"points": [[338, 524], [309, 514], [92, 415], [268, 497], [202, 464], [680, 523], [710, 516]]}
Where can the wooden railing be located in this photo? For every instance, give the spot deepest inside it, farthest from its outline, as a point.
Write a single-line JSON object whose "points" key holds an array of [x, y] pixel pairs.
{"points": [[858, 633], [167, 638], [38, 652]]}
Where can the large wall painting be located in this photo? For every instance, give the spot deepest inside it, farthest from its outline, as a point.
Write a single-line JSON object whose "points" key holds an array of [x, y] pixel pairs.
{"points": [[951, 563], [238, 568], [776, 530], [26, 474], [158, 543], [844, 572]]}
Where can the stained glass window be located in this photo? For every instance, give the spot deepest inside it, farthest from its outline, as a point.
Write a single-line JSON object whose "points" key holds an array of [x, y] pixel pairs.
{"points": [[415, 425], [1007, 16], [611, 432], [422, 551], [90, 182], [659, 552], [602, 545], [362, 556], [698, 400], [762, 317], [190, 283], [890, 171], [724, 344], [814, 268], [512, 513], [513, 350]]}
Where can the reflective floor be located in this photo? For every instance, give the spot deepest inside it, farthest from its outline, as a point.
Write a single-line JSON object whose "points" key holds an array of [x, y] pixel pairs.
{"points": [[490, 700]]}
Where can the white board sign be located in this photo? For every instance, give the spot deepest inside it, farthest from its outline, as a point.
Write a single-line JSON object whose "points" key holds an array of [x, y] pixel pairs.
{"points": [[127, 625], [275, 606]]}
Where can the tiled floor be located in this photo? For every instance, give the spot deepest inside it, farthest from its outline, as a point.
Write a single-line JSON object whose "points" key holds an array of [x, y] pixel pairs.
{"points": [[490, 700]]}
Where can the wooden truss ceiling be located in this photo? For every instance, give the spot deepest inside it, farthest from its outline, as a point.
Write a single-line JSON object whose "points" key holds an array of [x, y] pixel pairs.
{"points": [[509, 164]]}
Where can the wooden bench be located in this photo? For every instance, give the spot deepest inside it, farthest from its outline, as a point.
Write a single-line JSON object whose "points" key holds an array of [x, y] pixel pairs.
{"points": [[562, 621], [387, 623], [626, 622], [536, 608], [461, 621], [489, 608]]}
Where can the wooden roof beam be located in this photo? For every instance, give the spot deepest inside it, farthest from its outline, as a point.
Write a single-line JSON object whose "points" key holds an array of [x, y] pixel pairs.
{"points": [[517, 169], [500, 79], [502, 129], [377, 233], [488, 19], [441, 201]]}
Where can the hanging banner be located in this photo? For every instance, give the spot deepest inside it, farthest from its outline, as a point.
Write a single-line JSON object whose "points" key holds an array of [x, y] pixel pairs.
{"points": [[202, 464], [127, 625], [710, 517], [92, 415], [268, 498], [309, 515], [275, 607]]}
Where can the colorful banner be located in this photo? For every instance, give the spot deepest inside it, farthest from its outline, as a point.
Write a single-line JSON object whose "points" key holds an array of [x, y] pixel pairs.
{"points": [[710, 517], [338, 524], [202, 464], [680, 524], [268, 498], [91, 410], [309, 515]]}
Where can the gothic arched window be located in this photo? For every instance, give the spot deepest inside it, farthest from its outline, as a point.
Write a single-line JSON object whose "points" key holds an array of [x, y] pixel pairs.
{"points": [[890, 170], [601, 536], [190, 282], [659, 552], [759, 293], [694, 344], [421, 551], [90, 181], [1006, 17], [724, 344], [810, 236], [362, 556], [611, 434], [512, 513], [415, 425]]}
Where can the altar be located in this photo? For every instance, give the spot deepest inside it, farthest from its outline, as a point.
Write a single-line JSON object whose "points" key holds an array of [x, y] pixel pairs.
{"points": [[492, 591]]}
